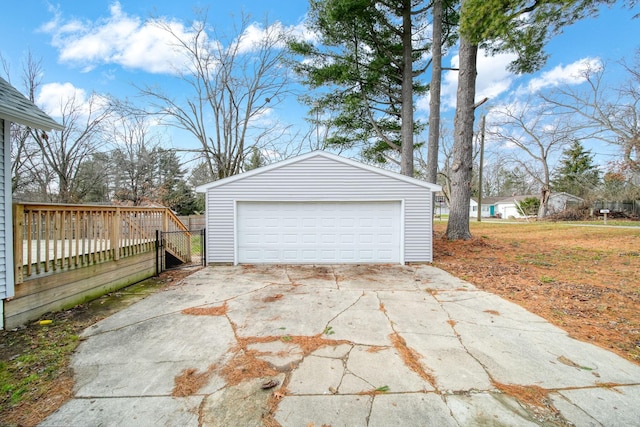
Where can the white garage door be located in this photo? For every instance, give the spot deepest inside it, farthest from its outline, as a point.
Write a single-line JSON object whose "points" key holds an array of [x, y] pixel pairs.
{"points": [[318, 232]]}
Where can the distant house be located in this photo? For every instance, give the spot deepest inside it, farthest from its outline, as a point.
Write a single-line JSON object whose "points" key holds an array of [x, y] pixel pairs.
{"points": [[14, 108], [559, 202], [488, 208], [508, 207]]}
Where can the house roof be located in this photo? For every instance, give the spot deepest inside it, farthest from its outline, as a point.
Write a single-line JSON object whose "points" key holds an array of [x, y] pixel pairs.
{"points": [[16, 108], [265, 169], [500, 200], [488, 200], [567, 196]]}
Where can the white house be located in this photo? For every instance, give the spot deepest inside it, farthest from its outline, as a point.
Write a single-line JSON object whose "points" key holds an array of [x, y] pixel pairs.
{"points": [[507, 207], [14, 107], [319, 208], [488, 208]]}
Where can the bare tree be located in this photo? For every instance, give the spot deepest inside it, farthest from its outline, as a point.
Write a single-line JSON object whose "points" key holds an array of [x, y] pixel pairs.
{"points": [[445, 147], [611, 115], [25, 169], [537, 134], [132, 157], [231, 85], [63, 152]]}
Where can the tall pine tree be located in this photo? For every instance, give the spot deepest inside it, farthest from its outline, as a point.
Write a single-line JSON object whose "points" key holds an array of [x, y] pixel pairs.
{"points": [[368, 57]]}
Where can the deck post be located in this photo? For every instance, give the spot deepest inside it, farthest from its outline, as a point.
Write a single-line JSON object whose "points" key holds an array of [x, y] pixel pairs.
{"points": [[18, 242], [115, 237], [165, 220]]}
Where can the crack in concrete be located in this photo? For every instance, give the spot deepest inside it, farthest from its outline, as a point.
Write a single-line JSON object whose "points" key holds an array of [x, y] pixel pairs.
{"points": [[345, 361], [406, 351], [291, 281], [452, 323], [170, 313], [343, 311], [201, 410], [368, 417], [335, 277]]}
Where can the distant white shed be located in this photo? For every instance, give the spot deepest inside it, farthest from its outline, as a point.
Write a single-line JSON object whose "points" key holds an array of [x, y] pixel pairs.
{"points": [[319, 208]]}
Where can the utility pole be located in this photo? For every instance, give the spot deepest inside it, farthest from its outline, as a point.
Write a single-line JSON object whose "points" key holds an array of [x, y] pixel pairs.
{"points": [[480, 169]]}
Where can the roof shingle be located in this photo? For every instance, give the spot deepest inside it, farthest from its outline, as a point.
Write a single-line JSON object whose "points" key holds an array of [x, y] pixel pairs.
{"points": [[16, 108]]}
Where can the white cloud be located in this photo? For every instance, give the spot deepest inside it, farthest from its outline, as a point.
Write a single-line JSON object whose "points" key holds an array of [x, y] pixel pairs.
{"points": [[58, 99], [53, 96], [119, 39], [422, 103], [302, 32], [493, 78], [150, 45], [574, 73]]}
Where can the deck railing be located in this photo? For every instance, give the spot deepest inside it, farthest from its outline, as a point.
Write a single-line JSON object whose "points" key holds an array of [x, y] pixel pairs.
{"points": [[50, 237]]}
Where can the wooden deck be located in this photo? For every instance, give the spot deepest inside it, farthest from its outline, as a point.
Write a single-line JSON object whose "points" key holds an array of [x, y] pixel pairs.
{"points": [[59, 237], [67, 254]]}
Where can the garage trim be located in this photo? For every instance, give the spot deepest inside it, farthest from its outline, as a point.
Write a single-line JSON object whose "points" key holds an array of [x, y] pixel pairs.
{"points": [[401, 218]]}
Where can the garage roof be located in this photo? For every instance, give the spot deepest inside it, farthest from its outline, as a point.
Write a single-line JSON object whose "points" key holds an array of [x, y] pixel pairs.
{"points": [[16, 108], [265, 169]]}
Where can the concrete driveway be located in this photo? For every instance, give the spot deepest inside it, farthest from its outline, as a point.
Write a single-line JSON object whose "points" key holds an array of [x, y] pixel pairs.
{"points": [[340, 346]]}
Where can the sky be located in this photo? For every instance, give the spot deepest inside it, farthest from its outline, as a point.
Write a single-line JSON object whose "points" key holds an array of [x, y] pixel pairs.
{"points": [[105, 46]]}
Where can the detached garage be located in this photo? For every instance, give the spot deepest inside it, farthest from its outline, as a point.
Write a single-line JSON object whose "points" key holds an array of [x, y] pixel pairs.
{"points": [[318, 208]]}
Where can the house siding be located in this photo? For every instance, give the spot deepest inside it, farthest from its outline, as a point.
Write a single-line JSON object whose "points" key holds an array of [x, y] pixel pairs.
{"points": [[318, 178], [4, 227]]}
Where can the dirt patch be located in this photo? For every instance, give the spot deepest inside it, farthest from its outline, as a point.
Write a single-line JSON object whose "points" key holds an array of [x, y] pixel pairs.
{"points": [[530, 395], [190, 381], [207, 311], [581, 279], [272, 298], [244, 365]]}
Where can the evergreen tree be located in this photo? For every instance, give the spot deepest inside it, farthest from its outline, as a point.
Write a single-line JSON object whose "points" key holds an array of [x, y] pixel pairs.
{"points": [[172, 189], [255, 161], [575, 174], [134, 166], [93, 180], [369, 56]]}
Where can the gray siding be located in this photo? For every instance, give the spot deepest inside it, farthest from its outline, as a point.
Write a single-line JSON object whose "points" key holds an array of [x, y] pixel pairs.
{"points": [[318, 178], [4, 286]]}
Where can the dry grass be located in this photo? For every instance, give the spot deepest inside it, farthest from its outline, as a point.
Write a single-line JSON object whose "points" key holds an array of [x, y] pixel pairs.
{"points": [[410, 358], [531, 395], [272, 298], [190, 381], [586, 280], [207, 311]]}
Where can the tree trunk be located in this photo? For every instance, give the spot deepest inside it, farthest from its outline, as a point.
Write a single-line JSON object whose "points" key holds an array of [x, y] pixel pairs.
{"points": [[406, 154], [543, 210], [458, 225], [434, 91]]}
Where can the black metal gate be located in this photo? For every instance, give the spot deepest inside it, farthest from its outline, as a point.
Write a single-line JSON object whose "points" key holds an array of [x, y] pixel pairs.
{"points": [[180, 249]]}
